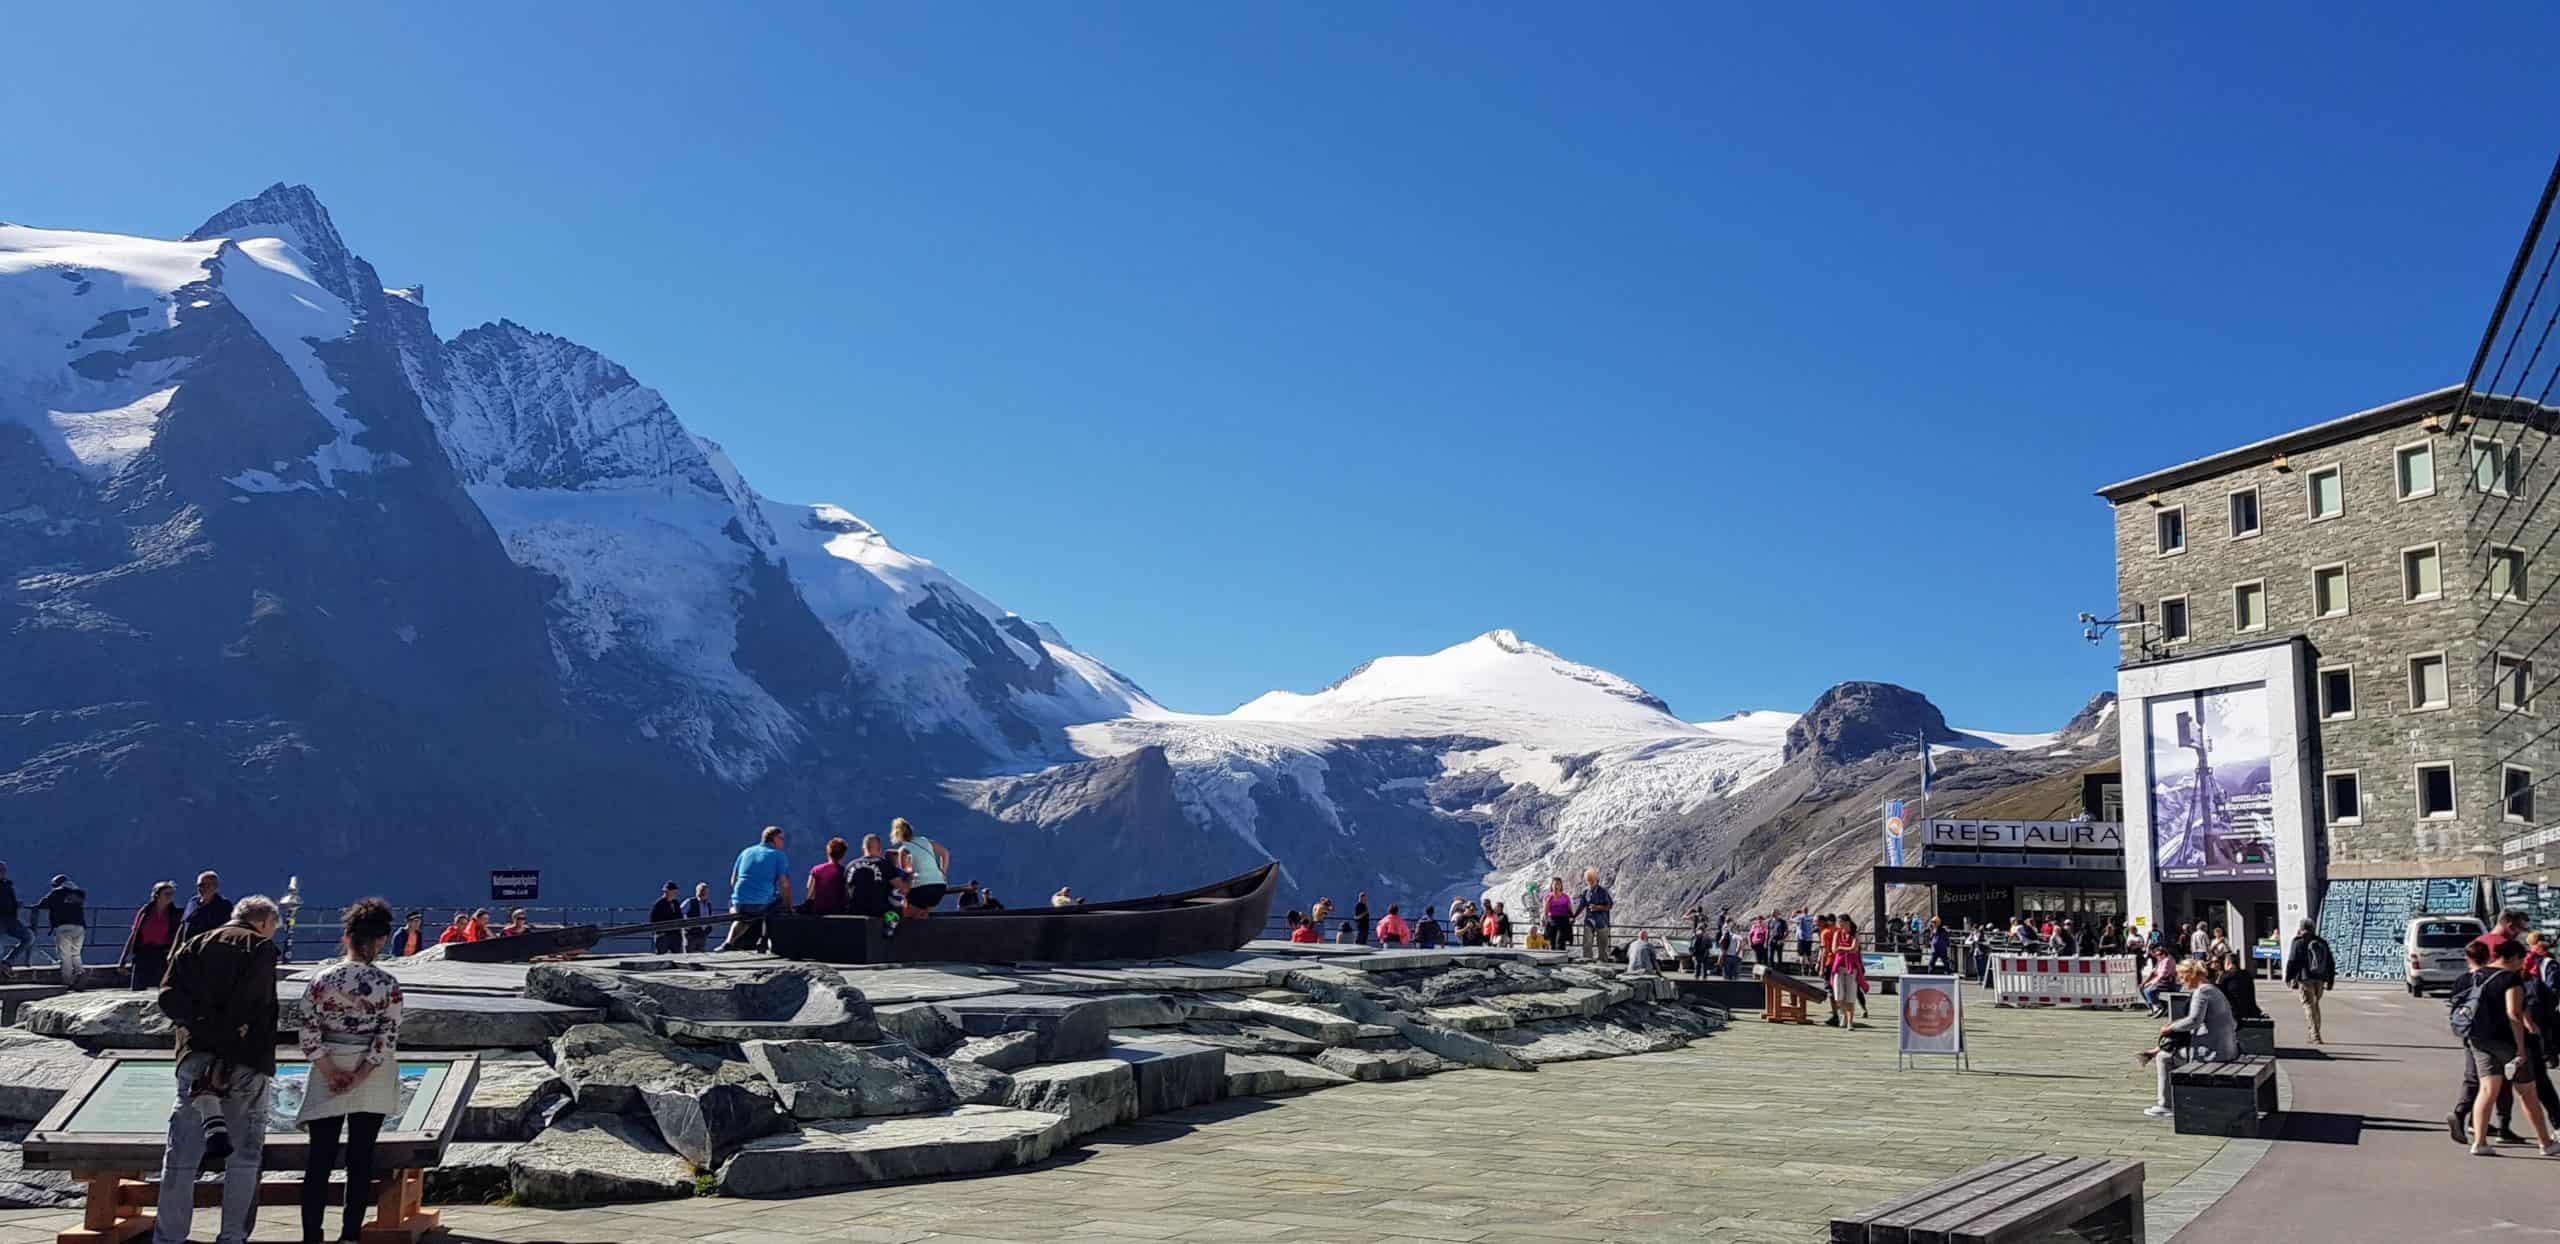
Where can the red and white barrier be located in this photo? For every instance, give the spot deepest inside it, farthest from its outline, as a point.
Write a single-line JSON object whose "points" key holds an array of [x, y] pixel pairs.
{"points": [[2066, 980]]}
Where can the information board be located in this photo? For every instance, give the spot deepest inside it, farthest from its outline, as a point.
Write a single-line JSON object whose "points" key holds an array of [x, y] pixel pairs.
{"points": [[137, 1093], [2452, 896]]}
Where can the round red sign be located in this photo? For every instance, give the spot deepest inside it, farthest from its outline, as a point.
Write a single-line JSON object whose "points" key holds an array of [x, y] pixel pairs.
{"points": [[1929, 1012]]}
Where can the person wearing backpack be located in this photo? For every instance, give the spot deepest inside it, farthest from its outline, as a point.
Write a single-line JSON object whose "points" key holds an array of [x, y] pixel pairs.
{"points": [[2310, 968], [2461, 1009], [220, 993], [2500, 1033]]}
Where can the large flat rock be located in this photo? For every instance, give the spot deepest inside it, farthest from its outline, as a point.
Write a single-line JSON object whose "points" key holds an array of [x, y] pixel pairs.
{"points": [[103, 1019], [1005, 1051], [855, 1152], [604, 1065], [1469, 1017], [14, 996], [511, 1101], [1553, 1004], [472, 1173], [820, 1080], [1300, 1018], [800, 1002], [1090, 1094], [1141, 1010], [124, 1019], [706, 1115], [1171, 1073], [476, 1021], [585, 1159], [1266, 1075], [886, 986], [34, 1074], [923, 1025], [1068, 1027], [1380, 1064], [1252, 1038]]}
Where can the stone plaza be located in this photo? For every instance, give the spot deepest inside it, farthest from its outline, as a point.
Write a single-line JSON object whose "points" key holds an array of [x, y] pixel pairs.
{"points": [[1754, 1132]]}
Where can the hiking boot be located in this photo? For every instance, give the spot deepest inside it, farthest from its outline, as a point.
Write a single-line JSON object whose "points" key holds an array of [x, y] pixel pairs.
{"points": [[2459, 1126]]}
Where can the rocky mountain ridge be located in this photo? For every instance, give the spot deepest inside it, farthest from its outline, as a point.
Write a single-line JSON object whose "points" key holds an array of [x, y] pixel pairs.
{"points": [[296, 580]]}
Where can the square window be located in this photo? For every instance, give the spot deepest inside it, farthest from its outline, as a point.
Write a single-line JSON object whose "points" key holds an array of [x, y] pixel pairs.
{"points": [[2329, 592], [2172, 530], [2515, 683], [2249, 607], [2244, 513], [2173, 619], [2435, 791], [2420, 577], [2328, 494], [2506, 572], [2427, 686], [2417, 471], [2493, 467], [2346, 799], [2337, 694], [2519, 793]]}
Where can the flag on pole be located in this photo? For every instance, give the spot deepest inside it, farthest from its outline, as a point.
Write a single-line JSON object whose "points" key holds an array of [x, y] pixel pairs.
{"points": [[1928, 767]]}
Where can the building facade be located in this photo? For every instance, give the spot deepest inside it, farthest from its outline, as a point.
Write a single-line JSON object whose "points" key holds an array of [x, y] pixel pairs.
{"points": [[2393, 558]]}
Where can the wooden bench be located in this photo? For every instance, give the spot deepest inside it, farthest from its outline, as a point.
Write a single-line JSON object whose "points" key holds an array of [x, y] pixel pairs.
{"points": [[2258, 1036], [2008, 1202], [1783, 998], [2231, 1098]]}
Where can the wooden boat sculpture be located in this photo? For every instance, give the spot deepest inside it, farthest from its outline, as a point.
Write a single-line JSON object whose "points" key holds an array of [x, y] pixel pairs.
{"points": [[1221, 916]]}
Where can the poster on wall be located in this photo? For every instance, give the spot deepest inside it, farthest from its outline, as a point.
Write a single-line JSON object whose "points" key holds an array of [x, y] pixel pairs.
{"points": [[2212, 783]]}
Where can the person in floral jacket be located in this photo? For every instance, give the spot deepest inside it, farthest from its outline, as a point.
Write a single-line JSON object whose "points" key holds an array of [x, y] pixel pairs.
{"points": [[351, 1037]]}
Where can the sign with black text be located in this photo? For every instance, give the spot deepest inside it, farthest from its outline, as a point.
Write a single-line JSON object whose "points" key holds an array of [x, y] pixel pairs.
{"points": [[514, 885], [2025, 835]]}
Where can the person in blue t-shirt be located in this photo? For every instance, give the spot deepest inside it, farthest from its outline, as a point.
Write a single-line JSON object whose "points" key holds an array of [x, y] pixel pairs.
{"points": [[759, 886]]}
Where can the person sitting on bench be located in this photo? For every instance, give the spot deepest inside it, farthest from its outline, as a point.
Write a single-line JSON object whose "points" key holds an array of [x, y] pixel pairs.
{"points": [[2209, 1032]]}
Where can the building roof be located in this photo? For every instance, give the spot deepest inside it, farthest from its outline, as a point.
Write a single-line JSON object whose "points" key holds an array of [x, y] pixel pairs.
{"points": [[2406, 410]]}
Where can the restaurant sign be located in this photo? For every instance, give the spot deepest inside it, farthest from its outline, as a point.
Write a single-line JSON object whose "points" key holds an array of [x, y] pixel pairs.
{"points": [[2025, 835]]}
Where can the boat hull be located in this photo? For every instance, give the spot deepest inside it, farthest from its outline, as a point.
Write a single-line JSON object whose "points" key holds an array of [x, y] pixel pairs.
{"points": [[1216, 917]]}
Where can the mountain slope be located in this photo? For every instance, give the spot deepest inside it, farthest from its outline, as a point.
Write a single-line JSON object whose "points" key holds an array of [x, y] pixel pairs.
{"points": [[297, 581]]}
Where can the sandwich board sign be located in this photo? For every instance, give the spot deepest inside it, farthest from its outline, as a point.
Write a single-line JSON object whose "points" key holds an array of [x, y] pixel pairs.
{"points": [[1932, 1020]]}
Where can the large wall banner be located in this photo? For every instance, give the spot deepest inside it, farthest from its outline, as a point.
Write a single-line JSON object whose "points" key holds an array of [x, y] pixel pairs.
{"points": [[2212, 795]]}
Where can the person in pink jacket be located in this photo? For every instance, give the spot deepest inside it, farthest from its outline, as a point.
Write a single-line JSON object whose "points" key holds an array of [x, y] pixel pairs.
{"points": [[1393, 931]]}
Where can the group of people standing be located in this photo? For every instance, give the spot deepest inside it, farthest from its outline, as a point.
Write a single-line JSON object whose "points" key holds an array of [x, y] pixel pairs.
{"points": [[218, 990], [1472, 922], [2506, 1010]]}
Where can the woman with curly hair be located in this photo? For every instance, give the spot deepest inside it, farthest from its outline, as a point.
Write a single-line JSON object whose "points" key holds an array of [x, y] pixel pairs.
{"points": [[351, 1037]]}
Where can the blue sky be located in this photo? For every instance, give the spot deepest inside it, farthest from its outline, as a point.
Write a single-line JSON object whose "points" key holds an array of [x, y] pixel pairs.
{"points": [[1738, 351]]}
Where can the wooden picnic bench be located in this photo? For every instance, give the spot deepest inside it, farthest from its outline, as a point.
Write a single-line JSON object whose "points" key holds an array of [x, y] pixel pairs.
{"points": [[1783, 998], [2223, 1098], [2011, 1201]]}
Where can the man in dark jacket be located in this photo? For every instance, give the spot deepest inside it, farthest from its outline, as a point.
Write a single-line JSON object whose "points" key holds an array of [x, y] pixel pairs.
{"points": [[2310, 968], [66, 907], [208, 910], [221, 993]]}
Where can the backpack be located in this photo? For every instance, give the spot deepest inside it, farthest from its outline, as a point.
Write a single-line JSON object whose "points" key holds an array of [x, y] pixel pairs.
{"points": [[2463, 1007], [2317, 965]]}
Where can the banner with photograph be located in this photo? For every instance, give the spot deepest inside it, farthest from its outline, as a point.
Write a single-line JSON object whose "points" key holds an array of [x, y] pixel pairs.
{"points": [[2212, 783], [1896, 824]]}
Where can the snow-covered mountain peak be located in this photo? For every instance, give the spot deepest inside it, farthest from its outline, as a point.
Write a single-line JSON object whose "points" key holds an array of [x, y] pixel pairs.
{"points": [[294, 215], [1495, 685]]}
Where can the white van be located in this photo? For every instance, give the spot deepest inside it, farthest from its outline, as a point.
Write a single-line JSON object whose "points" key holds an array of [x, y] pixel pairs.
{"points": [[2435, 951]]}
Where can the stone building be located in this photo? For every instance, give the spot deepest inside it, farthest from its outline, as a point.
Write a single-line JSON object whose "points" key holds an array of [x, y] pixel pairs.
{"points": [[2377, 580]]}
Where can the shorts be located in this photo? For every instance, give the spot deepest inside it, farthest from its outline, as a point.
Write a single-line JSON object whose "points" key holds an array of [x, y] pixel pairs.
{"points": [[926, 896], [2490, 1058]]}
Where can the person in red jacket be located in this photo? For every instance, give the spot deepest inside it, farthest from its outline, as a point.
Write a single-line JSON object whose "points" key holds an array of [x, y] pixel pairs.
{"points": [[1302, 930]]}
